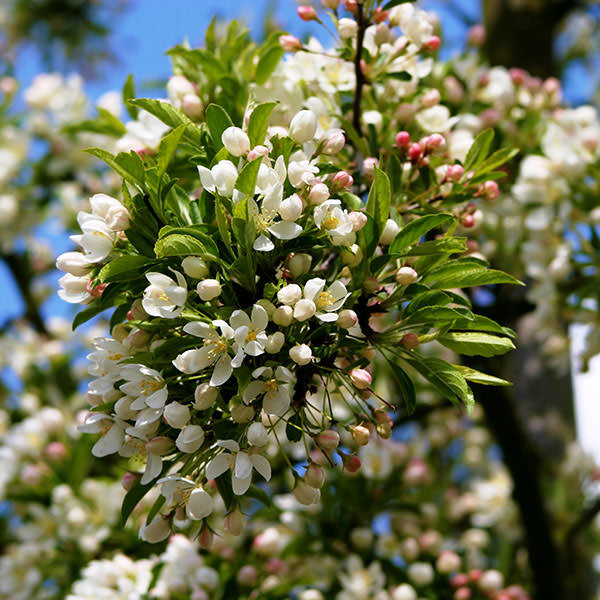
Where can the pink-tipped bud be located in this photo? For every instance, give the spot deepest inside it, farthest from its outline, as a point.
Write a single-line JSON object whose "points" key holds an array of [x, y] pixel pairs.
{"points": [[410, 341], [160, 445], [380, 15], [518, 76], [347, 319], [56, 451], [433, 43], [476, 35], [290, 43], [342, 180], [205, 539], [551, 85], [235, 522], [431, 98], [315, 475], [247, 575], [359, 220], [402, 140], [474, 575], [369, 165], [334, 142], [328, 439], [96, 291], [415, 152], [351, 462], [361, 378], [467, 221], [361, 435], [459, 580], [256, 152], [406, 275], [454, 173], [318, 193], [491, 190], [351, 5], [129, 480], [463, 593], [435, 141], [307, 13]]}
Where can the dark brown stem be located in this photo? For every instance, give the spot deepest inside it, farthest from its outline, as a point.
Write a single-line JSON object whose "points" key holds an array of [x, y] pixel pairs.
{"points": [[358, 72], [580, 524]]}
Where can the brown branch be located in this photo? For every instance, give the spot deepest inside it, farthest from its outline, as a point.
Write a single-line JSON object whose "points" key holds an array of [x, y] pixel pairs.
{"points": [[358, 72], [584, 519]]}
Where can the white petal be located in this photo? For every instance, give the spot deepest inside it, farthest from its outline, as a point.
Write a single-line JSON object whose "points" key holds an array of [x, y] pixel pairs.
{"points": [[217, 466], [260, 319], [201, 330], [158, 399], [153, 468], [262, 465], [239, 319], [109, 443], [199, 505], [313, 287], [207, 179], [222, 372], [240, 486], [243, 466], [284, 230], [329, 317], [263, 244]]}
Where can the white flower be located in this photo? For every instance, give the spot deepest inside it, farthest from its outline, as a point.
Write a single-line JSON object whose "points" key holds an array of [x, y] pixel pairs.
{"points": [[241, 465], [179, 491], [274, 387], [195, 267], [326, 301], [289, 294], [144, 384], [156, 531], [257, 435], [265, 220], [435, 119], [303, 126], [176, 415], [330, 217], [190, 438], [145, 133], [111, 211], [134, 446], [236, 141], [73, 263], [214, 352], [301, 171], [178, 87], [414, 23], [111, 430], [250, 331], [97, 239], [347, 28], [164, 297], [221, 178], [74, 289]]}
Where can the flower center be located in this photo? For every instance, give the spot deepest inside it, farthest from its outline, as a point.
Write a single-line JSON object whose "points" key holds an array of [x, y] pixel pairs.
{"points": [[325, 300], [271, 385], [149, 386], [264, 220], [216, 346], [252, 333], [330, 221]]}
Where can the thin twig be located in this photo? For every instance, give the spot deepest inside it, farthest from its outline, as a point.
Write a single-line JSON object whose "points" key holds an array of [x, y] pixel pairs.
{"points": [[358, 72]]}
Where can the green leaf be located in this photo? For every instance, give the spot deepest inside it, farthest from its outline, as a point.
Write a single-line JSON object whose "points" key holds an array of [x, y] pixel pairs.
{"points": [[399, 75], [259, 494], [225, 489], [479, 149], [127, 94], [223, 224], [481, 323], [293, 429], [259, 122], [203, 59], [123, 268], [267, 64], [155, 508], [179, 245], [128, 166], [218, 121], [415, 230], [133, 496], [446, 245], [434, 315], [246, 181], [171, 116], [446, 378], [479, 377], [406, 386], [195, 232], [168, 147], [379, 200], [476, 343], [458, 274], [497, 159], [86, 314]]}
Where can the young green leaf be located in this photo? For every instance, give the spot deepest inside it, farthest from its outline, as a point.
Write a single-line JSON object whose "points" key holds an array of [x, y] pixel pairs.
{"points": [[267, 64], [476, 343], [415, 230], [479, 377], [218, 121], [246, 180], [479, 149], [379, 200], [259, 122]]}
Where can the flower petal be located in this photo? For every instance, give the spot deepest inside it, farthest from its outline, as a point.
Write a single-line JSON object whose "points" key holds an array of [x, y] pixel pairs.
{"points": [[217, 466], [285, 230], [262, 465]]}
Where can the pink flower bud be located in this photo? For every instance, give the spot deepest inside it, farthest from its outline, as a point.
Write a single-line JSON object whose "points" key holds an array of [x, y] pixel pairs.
{"points": [[369, 165], [433, 43], [56, 451], [431, 98], [290, 43], [307, 13], [380, 15], [334, 142], [247, 575], [454, 173], [347, 318], [235, 522], [96, 291], [448, 562], [351, 5], [416, 473], [491, 190], [205, 538], [328, 439], [351, 462], [518, 76], [361, 378], [476, 35], [435, 141], [359, 220], [256, 152], [318, 193], [463, 593], [467, 221], [315, 475], [459, 580], [410, 341], [129, 480], [474, 575], [342, 180], [402, 140], [415, 152]]}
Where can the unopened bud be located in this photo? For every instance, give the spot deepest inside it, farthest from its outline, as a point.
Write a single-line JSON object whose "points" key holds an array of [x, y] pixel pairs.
{"points": [[406, 275], [306, 494], [195, 267], [275, 342], [318, 194], [351, 462], [342, 180], [307, 13], [129, 480], [235, 522], [328, 439], [290, 43], [315, 475], [347, 319], [410, 341], [361, 378], [403, 140], [361, 435]]}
